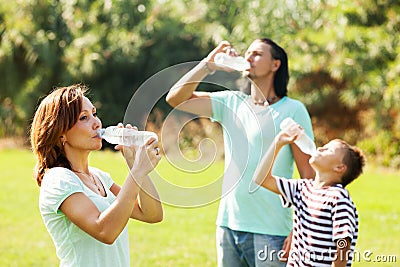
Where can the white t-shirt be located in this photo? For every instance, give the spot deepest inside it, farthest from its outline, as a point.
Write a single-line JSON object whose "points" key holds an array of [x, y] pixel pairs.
{"points": [[75, 247]]}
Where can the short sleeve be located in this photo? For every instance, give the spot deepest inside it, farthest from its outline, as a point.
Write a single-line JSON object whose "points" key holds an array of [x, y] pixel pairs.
{"points": [[218, 104], [288, 188], [58, 184], [344, 216]]}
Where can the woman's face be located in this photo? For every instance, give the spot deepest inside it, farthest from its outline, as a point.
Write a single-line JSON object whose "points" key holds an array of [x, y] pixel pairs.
{"points": [[83, 135]]}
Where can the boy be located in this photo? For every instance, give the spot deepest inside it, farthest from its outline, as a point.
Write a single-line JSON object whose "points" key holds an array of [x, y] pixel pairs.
{"points": [[325, 225]]}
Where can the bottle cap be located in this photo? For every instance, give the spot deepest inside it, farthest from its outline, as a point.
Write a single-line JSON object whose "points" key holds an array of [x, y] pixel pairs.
{"points": [[100, 133]]}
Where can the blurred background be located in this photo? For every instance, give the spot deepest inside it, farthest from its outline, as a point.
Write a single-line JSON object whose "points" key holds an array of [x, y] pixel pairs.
{"points": [[343, 56]]}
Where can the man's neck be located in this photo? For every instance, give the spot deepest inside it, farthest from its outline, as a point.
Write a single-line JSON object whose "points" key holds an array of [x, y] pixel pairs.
{"points": [[261, 95]]}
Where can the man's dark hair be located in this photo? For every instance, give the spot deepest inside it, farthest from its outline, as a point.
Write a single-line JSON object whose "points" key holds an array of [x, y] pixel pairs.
{"points": [[282, 75]]}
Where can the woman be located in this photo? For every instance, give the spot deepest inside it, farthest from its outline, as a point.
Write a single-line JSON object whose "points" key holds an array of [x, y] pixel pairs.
{"points": [[85, 212]]}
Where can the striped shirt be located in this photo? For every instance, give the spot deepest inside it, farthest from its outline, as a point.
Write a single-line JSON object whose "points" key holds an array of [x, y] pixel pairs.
{"points": [[322, 217]]}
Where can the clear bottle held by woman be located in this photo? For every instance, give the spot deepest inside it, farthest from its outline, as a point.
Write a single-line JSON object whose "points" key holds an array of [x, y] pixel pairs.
{"points": [[125, 136]]}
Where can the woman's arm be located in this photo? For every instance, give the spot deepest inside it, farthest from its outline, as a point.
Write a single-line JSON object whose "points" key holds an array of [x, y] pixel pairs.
{"points": [[106, 226], [147, 206]]}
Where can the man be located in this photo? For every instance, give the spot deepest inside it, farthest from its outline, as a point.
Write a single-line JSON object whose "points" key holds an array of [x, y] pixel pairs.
{"points": [[251, 224]]}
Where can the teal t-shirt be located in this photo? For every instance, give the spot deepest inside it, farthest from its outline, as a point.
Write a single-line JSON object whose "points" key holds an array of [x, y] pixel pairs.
{"points": [[248, 132], [75, 247]]}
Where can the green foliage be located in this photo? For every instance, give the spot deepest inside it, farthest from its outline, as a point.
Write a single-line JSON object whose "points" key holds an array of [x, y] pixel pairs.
{"points": [[344, 55], [382, 148]]}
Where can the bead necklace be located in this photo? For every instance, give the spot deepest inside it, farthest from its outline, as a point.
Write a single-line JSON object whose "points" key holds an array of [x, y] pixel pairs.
{"points": [[269, 101], [90, 176]]}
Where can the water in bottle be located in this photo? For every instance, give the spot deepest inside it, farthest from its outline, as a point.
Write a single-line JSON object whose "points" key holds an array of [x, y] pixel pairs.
{"points": [[302, 141], [236, 63], [125, 136]]}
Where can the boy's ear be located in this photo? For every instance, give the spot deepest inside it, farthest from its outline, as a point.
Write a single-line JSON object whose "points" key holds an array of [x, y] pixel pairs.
{"points": [[340, 168]]}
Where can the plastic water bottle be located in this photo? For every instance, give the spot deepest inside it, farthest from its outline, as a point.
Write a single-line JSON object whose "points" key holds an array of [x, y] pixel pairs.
{"points": [[236, 63], [125, 136], [303, 141]]}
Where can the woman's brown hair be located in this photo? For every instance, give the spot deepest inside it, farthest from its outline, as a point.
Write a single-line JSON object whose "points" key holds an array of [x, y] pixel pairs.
{"points": [[57, 113]]}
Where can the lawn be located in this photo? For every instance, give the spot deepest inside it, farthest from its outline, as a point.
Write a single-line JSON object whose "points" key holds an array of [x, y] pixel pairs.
{"points": [[186, 236]]}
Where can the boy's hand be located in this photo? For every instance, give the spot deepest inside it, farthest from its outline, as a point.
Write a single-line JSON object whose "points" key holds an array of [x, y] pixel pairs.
{"points": [[289, 135]]}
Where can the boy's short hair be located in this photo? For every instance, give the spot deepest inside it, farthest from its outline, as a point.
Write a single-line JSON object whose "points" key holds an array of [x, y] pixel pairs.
{"points": [[354, 159]]}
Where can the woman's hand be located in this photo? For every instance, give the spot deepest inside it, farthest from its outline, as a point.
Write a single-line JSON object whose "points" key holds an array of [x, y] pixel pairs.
{"points": [[128, 152], [146, 159]]}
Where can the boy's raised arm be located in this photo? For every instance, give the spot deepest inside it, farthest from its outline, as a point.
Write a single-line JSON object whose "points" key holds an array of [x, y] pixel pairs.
{"points": [[263, 174]]}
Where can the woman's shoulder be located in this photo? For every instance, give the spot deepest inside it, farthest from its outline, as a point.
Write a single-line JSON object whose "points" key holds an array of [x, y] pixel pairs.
{"points": [[59, 181], [58, 172], [59, 175]]}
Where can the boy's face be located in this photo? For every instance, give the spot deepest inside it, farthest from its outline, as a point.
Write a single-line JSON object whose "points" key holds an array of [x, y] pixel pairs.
{"points": [[329, 157]]}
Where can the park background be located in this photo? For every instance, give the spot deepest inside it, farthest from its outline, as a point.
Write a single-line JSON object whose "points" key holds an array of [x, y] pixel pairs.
{"points": [[344, 66]]}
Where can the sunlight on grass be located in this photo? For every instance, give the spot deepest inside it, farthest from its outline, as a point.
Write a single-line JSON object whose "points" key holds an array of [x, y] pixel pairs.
{"points": [[186, 237]]}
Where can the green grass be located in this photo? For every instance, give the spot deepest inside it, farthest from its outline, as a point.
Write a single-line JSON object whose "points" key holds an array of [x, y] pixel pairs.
{"points": [[186, 236]]}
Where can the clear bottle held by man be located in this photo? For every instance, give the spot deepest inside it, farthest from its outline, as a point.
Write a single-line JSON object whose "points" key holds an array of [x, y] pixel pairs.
{"points": [[237, 63]]}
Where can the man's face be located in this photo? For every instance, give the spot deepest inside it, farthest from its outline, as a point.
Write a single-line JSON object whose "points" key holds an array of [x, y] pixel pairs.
{"points": [[261, 61]]}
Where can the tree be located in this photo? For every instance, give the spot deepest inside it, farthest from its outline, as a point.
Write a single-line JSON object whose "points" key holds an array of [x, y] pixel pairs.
{"points": [[343, 55]]}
